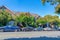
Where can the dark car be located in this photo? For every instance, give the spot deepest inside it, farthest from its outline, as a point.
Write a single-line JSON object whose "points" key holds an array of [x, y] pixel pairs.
{"points": [[1, 29], [27, 29], [10, 28]]}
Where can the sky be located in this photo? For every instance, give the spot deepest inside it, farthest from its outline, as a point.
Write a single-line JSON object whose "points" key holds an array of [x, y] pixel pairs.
{"points": [[32, 6]]}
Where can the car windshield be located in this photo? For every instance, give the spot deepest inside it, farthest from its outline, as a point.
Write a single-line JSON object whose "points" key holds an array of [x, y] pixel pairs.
{"points": [[10, 23]]}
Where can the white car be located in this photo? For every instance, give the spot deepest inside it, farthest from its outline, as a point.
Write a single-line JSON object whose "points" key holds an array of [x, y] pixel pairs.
{"points": [[47, 29], [38, 29], [59, 28]]}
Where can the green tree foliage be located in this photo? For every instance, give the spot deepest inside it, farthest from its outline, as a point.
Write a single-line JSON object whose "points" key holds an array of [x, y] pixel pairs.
{"points": [[5, 17], [27, 18], [41, 21], [52, 2], [57, 9], [48, 19]]}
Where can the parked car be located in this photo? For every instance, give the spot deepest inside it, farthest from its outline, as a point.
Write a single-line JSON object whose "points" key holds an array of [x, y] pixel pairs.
{"points": [[1, 29], [47, 29], [10, 28], [58, 28], [27, 29], [35, 29], [38, 29]]}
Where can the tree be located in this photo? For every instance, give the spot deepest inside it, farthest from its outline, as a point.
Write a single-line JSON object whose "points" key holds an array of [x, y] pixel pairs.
{"points": [[52, 2], [41, 21], [26, 19], [5, 17], [53, 20]]}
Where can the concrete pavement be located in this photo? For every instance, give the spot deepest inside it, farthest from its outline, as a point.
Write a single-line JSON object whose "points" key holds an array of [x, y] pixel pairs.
{"points": [[6, 35]]}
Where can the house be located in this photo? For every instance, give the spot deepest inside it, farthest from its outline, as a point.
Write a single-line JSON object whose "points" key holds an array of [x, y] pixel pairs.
{"points": [[7, 10], [36, 16], [17, 13]]}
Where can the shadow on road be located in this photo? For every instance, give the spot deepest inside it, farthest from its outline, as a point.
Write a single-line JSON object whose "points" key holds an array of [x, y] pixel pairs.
{"points": [[38, 38]]}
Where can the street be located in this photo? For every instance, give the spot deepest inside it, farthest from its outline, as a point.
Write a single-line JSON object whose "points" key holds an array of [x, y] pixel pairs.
{"points": [[6, 35]]}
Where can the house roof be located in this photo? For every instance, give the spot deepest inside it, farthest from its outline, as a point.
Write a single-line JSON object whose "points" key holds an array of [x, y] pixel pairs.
{"points": [[3, 7], [7, 10], [17, 13]]}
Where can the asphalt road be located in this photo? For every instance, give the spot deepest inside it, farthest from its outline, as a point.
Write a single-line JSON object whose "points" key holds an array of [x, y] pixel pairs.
{"points": [[6, 35]]}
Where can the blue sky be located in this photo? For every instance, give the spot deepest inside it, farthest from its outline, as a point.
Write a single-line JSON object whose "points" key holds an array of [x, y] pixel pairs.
{"points": [[32, 6]]}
